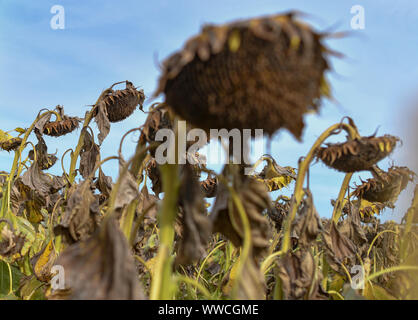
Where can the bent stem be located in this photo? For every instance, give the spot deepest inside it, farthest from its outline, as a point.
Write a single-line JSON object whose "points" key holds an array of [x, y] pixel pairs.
{"points": [[338, 207], [303, 167]]}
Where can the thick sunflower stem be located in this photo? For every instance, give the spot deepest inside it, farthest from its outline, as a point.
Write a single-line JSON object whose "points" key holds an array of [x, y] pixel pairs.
{"points": [[161, 286], [339, 204], [303, 168]]}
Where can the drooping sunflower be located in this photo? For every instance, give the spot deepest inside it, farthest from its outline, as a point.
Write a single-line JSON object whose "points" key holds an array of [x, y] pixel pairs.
{"points": [[261, 73], [120, 104], [60, 127], [386, 187], [357, 154], [10, 144]]}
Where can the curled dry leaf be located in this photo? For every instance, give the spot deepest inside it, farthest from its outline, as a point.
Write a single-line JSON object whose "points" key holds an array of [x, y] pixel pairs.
{"points": [[36, 180], [81, 216], [307, 224], [252, 285], [358, 154], [339, 248], [255, 199], [387, 186], [40, 123], [352, 229], [128, 189], [44, 159], [104, 184], [100, 268], [148, 205], [158, 118], [89, 155], [232, 75], [102, 120], [154, 174], [195, 223], [296, 271]]}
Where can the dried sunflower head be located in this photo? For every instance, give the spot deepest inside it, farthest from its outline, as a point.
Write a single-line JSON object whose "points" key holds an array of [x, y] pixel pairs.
{"points": [[233, 75], [8, 143], [60, 127], [11, 144], [120, 104], [358, 154], [386, 187]]}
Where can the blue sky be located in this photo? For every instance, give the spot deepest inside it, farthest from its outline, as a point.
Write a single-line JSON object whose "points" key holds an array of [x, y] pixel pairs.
{"points": [[108, 41]]}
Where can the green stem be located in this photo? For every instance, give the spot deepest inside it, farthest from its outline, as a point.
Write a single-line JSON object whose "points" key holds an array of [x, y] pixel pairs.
{"points": [[397, 268], [246, 247], [161, 284]]}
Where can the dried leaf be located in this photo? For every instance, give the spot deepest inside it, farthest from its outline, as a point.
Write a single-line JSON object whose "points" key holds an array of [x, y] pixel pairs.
{"points": [[196, 225], [101, 268], [307, 225], [89, 155], [80, 218], [102, 121], [255, 199]]}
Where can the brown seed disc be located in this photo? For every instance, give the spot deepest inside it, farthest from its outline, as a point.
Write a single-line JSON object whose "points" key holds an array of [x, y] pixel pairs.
{"points": [[11, 144], [60, 128], [261, 73], [386, 188], [120, 104], [357, 155]]}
